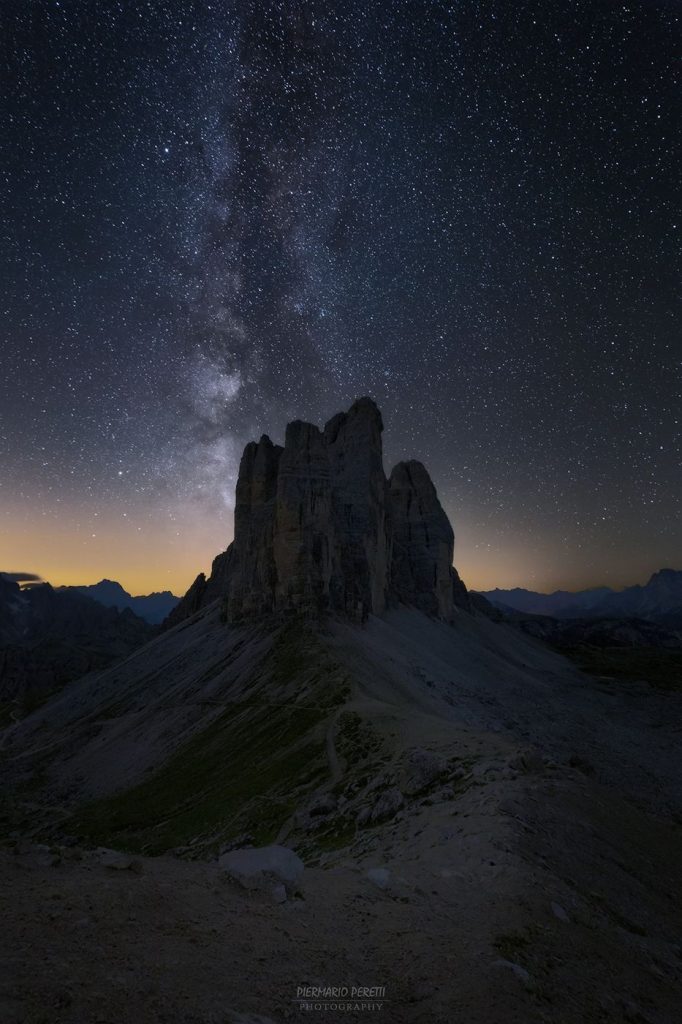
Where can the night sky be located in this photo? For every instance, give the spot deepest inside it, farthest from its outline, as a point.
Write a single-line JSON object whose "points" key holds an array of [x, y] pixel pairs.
{"points": [[221, 216]]}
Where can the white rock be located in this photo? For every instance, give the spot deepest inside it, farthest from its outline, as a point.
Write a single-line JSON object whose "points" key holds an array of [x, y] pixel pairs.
{"points": [[115, 859], [252, 867], [279, 893], [559, 912], [520, 972], [381, 877]]}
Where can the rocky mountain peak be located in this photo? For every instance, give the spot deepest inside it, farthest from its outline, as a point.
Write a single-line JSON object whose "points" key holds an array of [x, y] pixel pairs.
{"points": [[423, 542], [665, 577], [318, 527]]}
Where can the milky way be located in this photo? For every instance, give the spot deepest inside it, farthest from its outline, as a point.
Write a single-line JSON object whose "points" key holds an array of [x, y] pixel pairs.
{"points": [[221, 217]]}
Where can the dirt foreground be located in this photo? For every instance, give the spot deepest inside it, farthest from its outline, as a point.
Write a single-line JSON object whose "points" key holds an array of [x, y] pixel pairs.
{"points": [[536, 896]]}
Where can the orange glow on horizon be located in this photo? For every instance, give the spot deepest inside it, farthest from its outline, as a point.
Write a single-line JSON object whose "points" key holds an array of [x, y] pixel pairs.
{"points": [[148, 553], [143, 554]]}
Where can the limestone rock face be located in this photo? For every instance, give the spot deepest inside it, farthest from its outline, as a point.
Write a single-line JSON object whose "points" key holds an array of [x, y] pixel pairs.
{"points": [[359, 510], [250, 574], [190, 603], [423, 542], [303, 540], [319, 528]]}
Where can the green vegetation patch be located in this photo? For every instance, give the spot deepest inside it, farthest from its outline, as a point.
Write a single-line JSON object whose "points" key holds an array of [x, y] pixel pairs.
{"points": [[237, 775], [245, 773], [356, 739], [659, 667], [335, 834]]}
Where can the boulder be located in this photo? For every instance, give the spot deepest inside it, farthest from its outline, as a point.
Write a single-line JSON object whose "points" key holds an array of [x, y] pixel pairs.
{"points": [[324, 803], [520, 972], [258, 867], [381, 877], [422, 769], [118, 861], [279, 893], [560, 913], [37, 855], [387, 806], [529, 762]]}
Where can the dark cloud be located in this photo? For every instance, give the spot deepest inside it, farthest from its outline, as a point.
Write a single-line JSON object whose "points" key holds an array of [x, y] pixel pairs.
{"points": [[22, 577]]}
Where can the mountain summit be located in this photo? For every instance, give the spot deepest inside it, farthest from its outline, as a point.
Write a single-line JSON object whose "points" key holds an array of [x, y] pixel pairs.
{"points": [[319, 527], [154, 608], [420, 772], [659, 600]]}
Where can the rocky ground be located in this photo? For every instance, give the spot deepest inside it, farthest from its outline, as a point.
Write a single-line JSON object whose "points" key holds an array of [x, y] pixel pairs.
{"points": [[536, 895], [489, 834]]}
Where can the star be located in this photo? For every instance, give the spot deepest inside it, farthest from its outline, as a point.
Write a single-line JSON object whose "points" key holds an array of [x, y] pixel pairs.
{"points": [[469, 217]]}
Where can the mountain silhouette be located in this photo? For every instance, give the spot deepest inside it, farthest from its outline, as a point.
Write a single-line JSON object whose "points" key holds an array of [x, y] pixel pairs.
{"points": [[659, 600], [154, 608], [344, 758], [49, 637]]}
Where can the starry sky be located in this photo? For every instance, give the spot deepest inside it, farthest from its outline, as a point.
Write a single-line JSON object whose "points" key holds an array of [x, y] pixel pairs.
{"points": [[221, 216]]}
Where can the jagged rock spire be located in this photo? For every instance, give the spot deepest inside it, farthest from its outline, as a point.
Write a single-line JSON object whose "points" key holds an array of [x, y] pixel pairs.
{"points": [[423, 542], [318, 527]]}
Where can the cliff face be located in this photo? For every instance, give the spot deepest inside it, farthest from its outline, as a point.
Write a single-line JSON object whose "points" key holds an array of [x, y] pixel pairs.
{"points": [[423, 542], [318, 527]]}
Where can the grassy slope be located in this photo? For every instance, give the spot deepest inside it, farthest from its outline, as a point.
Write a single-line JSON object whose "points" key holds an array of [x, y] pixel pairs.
{"points": [[659, 667], [245, 772]]}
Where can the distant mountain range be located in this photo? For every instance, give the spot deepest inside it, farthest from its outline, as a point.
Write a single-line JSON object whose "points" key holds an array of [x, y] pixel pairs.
{"points": [[152, 607], [49, 637], [659, 600], [326, 728]]}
